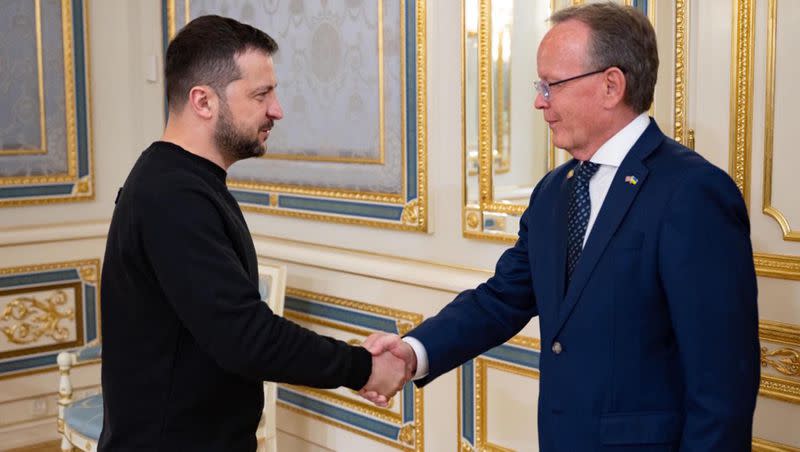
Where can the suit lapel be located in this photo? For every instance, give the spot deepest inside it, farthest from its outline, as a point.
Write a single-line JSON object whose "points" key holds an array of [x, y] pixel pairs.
{"points": [[615, 206]]}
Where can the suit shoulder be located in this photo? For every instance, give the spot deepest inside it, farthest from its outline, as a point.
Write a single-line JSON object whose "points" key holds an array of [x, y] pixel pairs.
{"points": [[679, 163]]}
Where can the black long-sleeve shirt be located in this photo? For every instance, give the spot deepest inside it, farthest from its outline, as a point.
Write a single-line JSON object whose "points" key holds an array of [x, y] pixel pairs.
{"points": [[187, 342]]}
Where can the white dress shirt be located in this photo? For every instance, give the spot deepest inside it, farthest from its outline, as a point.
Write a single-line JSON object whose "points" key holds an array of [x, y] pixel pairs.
{"points": [[609, 156]]}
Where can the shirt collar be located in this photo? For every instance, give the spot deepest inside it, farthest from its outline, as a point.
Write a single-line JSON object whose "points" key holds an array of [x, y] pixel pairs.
{"points": [[613, 151]]}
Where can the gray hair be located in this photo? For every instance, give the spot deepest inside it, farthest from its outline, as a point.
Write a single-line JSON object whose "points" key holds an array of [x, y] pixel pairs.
{"points": [[621, 36]]}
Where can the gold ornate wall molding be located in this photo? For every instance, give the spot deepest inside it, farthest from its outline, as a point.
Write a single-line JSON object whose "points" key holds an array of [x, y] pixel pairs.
{"points": [[76, 182], [473, 395], [402, 422], [32, 318], [769, 127], [403, 209], [780, 361], [762, 445], [741, 111], [681, 43], [44, 309], [777, 266], [742, 94]]}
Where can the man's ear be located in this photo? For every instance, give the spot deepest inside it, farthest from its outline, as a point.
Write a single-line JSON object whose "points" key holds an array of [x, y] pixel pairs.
{"points": [[615, 86], [203, 101]]}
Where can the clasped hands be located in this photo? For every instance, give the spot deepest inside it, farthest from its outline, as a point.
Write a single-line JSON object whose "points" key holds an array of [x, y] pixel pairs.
{"points": [[393, 365]]}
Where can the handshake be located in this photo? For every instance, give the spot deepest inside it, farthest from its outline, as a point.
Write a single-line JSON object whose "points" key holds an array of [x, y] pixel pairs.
{"points": [[394, 363]]}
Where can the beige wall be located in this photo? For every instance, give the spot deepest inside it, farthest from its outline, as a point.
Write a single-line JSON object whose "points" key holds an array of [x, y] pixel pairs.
{"points": [[399, 273]]}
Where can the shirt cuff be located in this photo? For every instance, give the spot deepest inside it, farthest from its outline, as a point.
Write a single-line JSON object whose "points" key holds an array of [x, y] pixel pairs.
{"points": [[422, 356]]}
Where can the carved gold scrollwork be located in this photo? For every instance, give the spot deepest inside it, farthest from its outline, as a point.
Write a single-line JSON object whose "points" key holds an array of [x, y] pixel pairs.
{"points": [[473, 220], [37, 318], [411, 213], [83, 186], [407, 434], [680, 70], [89, 274], [787, 360]]}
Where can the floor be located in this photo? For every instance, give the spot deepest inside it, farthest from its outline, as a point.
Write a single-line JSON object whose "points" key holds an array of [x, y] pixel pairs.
{"points": [[50, 446]]}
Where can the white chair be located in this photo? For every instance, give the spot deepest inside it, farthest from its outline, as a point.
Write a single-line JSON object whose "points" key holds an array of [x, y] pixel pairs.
{"points": [[80, 421], [272, 286]]}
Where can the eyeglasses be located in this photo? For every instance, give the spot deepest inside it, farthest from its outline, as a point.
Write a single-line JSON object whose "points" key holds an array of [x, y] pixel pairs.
{"points": [[543, 87]]}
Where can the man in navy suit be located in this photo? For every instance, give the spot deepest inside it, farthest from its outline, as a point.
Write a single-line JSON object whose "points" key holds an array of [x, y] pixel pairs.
{"points": [[635, 255]]}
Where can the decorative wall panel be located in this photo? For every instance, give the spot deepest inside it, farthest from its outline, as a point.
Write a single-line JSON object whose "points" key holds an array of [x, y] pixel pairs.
{"points": [[400, 424], [780, 361], [780, 354], [352, 145], [45, 309], [519, 356], [45, 132], [781, 97]]}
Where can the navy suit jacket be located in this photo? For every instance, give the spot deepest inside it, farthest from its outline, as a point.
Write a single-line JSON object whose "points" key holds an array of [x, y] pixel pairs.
{"points": [[653, 344]]}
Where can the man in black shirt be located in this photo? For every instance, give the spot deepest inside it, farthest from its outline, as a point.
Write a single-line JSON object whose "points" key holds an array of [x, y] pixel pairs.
{"points": [[187, 340]]}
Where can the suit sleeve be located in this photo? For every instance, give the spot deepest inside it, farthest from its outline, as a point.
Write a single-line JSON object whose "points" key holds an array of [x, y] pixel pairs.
{"points": [[481, 318], [706, 268], [208, 287]]}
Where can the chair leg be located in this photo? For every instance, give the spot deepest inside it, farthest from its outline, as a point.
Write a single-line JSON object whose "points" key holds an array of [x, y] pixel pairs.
{"points": [[272, 444]]}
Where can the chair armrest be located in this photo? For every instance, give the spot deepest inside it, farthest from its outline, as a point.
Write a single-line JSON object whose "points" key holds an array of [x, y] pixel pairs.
{"points": [[89, 352]]}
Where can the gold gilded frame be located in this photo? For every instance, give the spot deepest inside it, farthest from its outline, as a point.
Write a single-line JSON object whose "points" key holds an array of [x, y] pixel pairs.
{"points": [[767, 264], [414, 215], [32, 348], [762, 445], [473, 215], [89, 272], [381, 115], [783, 358], [501, 161], [83, 189], [37, 5], [680, 73], [769, 209], [742, 94], [482, 365], [411, 435]]}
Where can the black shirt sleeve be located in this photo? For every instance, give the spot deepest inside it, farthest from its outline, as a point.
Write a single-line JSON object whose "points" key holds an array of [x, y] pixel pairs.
{"points": [[186, 239]]}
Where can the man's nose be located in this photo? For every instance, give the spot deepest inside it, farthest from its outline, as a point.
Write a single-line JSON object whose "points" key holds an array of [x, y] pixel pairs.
{"points": [[539, 102], [275, 110]]}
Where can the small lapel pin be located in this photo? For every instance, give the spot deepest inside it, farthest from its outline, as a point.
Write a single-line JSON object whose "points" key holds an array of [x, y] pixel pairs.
{"points": [[631, 180], [570, 174]]}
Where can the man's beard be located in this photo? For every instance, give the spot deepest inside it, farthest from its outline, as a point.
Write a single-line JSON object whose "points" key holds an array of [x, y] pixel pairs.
{"points": [[232, 142]]}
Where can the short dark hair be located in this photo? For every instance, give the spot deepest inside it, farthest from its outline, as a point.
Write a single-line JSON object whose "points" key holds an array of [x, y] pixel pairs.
{"points": [[204, 52], [623, 37]]}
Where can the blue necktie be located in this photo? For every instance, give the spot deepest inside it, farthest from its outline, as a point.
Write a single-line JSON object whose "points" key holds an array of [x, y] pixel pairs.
{"points": [[580, 206]]}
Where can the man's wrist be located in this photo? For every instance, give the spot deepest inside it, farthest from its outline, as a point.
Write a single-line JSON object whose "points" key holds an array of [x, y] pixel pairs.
{"points": [[420, 357]]}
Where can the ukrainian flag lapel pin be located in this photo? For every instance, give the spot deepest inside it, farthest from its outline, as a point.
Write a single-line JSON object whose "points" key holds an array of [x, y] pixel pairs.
{"points": [[631, 180]]}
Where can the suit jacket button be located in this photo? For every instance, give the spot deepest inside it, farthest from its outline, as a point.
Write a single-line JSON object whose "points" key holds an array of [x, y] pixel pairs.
{"points": [[557, 347]]}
